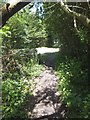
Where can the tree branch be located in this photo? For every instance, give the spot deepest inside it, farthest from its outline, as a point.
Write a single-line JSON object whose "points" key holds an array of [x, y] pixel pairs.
{"points": [[84, 19], [76, 7], [9, 9]]}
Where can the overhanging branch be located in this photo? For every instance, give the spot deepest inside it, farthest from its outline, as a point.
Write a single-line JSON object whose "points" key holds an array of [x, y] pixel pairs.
{"points": [[84, 19], [9, 9]]}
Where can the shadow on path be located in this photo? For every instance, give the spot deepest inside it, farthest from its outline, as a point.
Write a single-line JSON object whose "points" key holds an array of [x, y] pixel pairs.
{"points": [[48, 59], [45, 102]]}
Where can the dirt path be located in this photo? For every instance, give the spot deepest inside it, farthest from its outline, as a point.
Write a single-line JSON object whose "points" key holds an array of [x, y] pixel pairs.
{"points": [[45, 102]]}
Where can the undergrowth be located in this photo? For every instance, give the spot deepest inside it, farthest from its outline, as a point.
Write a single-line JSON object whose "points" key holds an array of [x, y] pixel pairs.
{"points": [[73, 87], [16, 90]]}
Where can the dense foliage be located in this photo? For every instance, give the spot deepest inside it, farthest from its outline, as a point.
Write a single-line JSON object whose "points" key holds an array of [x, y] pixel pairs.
{"points": [[73, 87], [50, 26], [72, 61], [20, 36]]}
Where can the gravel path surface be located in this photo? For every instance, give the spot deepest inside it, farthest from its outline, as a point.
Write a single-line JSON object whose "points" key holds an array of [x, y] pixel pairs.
{"points": [[45, 102]]}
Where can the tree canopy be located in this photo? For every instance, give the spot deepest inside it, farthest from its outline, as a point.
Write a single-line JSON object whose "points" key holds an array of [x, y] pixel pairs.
{"points": [[9, 9]]}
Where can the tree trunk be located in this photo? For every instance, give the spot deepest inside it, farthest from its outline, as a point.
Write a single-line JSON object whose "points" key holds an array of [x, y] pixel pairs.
{"points": [[9, 9]]}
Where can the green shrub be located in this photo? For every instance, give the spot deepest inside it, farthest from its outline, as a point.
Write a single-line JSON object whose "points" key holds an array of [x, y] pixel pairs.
{"points": [[73, 87], [13, 96]]}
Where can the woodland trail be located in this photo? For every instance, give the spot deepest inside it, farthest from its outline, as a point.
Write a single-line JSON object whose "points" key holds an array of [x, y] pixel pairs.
{"points": [[45, 103]]}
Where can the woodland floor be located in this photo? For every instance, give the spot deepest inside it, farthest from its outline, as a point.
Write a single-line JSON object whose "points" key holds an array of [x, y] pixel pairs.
{"points": [[45, 103]]}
